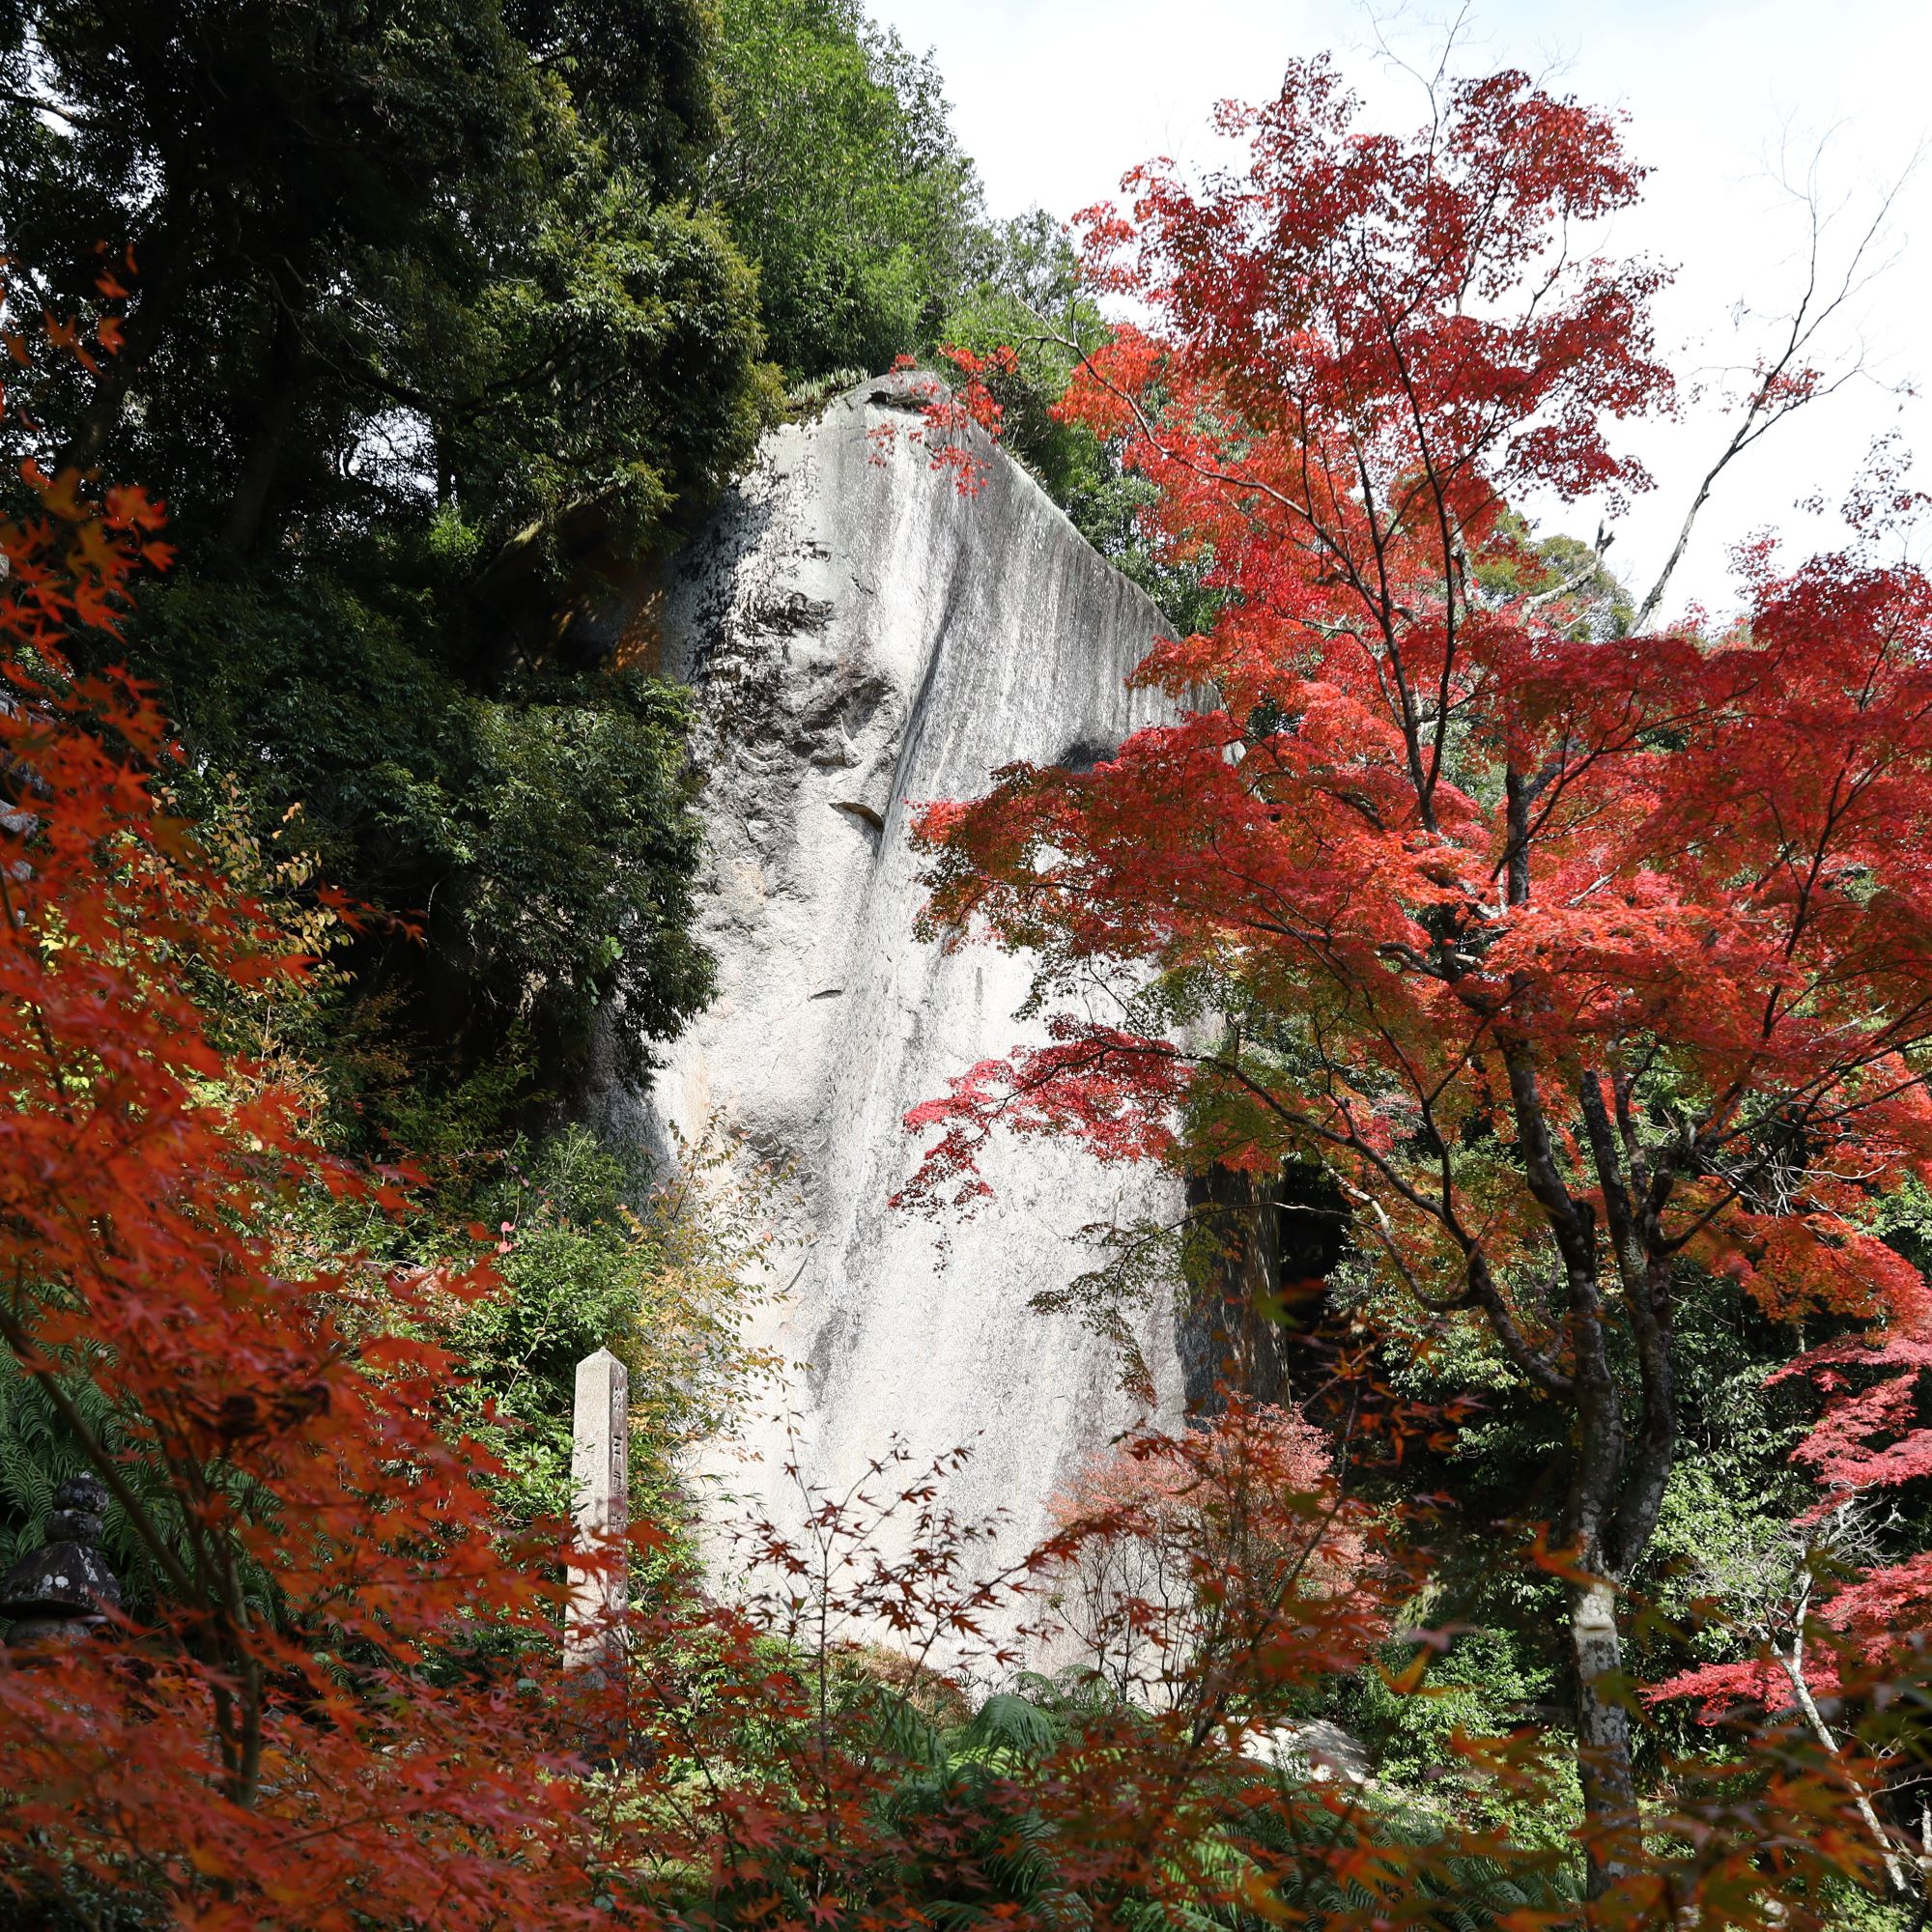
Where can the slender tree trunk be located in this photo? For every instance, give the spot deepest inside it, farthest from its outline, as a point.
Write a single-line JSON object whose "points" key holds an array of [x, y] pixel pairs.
{"points": [[1603, 1734], [264, 460], [1792, 1660]]}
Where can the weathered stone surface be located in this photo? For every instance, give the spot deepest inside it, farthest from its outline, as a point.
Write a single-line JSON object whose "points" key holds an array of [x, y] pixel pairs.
{"points": [[64, 1587], [600, 1503], [864, 638]]}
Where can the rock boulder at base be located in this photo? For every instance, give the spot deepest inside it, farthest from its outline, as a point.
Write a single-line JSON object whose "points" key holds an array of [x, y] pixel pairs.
{"points": [[864, 637]]}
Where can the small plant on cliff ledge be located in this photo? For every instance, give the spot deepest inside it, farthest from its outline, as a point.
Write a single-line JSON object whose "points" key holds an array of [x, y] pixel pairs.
{"points": [[947, 416]]}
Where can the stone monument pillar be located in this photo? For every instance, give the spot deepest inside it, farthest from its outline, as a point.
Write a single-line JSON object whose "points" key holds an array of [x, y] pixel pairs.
{"points": [[600, 1507]]}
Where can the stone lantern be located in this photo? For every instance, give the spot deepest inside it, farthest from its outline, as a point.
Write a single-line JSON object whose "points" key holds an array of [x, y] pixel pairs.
{"points": [[61, 1592]]}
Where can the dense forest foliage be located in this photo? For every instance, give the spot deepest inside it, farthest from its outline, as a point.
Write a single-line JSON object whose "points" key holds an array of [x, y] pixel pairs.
{"points": [[424, 318], [419, 325], [427, 318]]}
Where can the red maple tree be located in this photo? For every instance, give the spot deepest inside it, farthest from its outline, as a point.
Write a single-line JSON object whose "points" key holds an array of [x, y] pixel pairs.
{"points": [[320, 1723], [1172, 1541], [1827, 1616], [1589, 965]]}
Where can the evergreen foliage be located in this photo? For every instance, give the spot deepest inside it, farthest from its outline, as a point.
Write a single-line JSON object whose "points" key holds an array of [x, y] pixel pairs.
{"points": [[842, 181], [420, 315], [1022, 291], [430, 321]]}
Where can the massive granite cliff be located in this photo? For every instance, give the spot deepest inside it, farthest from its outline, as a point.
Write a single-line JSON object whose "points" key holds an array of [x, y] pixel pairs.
{"points": [[861, 637]]}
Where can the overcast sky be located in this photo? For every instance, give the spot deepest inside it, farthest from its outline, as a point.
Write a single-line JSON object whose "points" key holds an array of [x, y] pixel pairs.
{"points": [[1057, 98]]}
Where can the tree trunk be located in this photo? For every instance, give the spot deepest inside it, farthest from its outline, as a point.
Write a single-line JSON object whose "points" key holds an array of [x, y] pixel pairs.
{"points": [[1793, 1663], [1227, 1339], [264, 460], [1602, 1735]]}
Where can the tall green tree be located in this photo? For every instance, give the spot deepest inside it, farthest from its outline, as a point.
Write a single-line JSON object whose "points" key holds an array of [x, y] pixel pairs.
{"points": [[386, 254], [842, 180], [419, 325]]}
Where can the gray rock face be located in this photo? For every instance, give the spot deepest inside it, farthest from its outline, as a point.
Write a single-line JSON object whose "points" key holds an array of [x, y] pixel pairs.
{"points": [[864, 638]]}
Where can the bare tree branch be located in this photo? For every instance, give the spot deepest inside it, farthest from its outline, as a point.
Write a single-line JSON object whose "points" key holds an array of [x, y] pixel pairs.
{"points": [[1784, 383]]}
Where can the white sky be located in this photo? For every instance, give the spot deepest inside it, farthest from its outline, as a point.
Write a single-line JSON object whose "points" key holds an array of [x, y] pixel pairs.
{"points": [[1056, 98]]}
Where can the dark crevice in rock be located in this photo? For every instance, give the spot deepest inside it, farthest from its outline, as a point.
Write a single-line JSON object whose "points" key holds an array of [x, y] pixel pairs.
{"points": [[1083, 754], [1274, 1241]]}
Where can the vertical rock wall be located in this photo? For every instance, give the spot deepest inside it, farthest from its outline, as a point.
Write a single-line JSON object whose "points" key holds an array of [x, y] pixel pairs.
{"points": [[864, 638]]}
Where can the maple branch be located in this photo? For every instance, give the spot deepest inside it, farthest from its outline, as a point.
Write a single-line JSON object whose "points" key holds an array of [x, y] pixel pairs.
{"points": [[1385, 1234], [1528, 1360], [1323, 538], [1452, 35], [1082, 359], [1636, 1160], [1381, 605], [1782, 387], [1643, 1483], [1624, 1240], [1440, 496], [1349, 1138], [1569, 1218], [1805, 1107], [1482, 1289]]}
